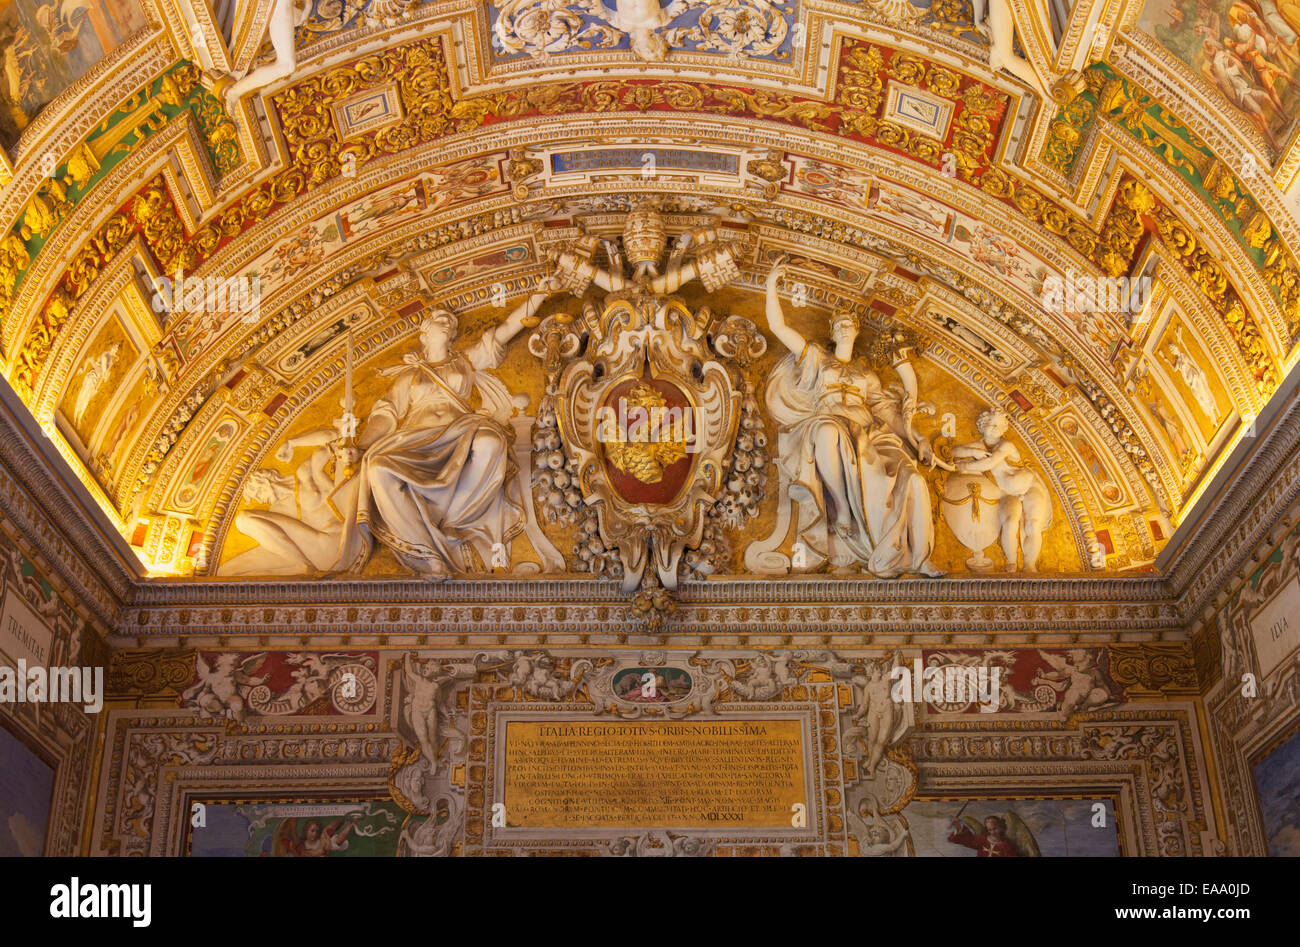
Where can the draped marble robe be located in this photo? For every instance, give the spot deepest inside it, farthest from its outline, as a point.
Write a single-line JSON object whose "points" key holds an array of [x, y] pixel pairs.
{"points": [[437, 472], [890, 529]]}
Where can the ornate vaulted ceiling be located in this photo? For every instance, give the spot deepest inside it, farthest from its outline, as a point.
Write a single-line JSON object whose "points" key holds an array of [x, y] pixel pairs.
{"points": [[448, 155]]}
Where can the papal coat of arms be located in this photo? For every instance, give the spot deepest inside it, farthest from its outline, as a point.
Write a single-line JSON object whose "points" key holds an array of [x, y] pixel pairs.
{"points": [[645, 397], [647, 437]]}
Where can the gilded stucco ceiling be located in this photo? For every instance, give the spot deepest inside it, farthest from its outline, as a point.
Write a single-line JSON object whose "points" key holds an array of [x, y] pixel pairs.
{"points": [[448, 155]]}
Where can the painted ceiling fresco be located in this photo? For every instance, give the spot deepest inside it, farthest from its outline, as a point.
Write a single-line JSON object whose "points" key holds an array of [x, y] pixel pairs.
{"points": [[49, 46], [1249, 50], [931, 287]]}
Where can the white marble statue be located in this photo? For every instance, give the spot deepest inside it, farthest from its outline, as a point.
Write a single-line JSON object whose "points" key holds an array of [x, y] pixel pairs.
{"points": [[424, 691], [1001, 30], [875, 717], [437, 474], [1024, 507], [431, 476], [640, 19], [849, 451], [300, 531], [286, 16]]}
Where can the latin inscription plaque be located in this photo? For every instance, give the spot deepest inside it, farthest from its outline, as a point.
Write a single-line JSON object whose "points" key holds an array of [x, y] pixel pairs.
{"points": [[1275, 627], [638, 774]]}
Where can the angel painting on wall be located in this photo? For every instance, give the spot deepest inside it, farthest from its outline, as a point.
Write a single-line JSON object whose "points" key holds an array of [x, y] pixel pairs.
{"points": [[1019, 828], [1000, 836], [316, 841], [298, 829]]}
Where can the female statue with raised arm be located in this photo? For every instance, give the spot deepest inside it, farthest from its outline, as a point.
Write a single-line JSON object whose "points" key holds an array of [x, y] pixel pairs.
{"points": [[436, 472], [849, 451]]}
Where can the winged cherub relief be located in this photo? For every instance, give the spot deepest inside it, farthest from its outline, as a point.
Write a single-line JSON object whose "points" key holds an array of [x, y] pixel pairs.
{"points": [[222, 688], [999, 836]]}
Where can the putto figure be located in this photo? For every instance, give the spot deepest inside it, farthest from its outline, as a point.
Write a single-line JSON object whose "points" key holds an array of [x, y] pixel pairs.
{"points": [[875, 719], [850, 451], [1024, 507], [426, 690]]}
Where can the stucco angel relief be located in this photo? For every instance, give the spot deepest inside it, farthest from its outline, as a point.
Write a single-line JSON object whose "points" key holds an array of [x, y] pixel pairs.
{"points": [[430, 476], [850, 458]]}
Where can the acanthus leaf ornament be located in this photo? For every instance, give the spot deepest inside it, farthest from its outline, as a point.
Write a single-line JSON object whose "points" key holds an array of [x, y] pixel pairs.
{"points": [[540, 28]]}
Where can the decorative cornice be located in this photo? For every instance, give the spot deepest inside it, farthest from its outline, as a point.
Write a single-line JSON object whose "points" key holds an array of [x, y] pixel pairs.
{"points": [[798, 609]]}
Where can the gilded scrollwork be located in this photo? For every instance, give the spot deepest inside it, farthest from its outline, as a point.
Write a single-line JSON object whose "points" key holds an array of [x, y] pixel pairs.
{"points": [[151, 673], [641, 442], [1148, 670], [541, 28]]}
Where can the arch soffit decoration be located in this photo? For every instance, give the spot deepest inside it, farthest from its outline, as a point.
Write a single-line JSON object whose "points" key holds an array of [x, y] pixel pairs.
{"points": [[809, 155]]}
